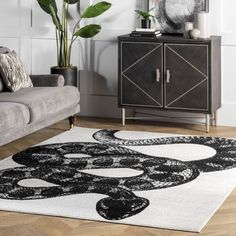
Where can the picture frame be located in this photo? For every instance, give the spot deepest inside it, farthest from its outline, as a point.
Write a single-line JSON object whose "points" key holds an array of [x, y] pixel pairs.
{"points": [[171, 15]]}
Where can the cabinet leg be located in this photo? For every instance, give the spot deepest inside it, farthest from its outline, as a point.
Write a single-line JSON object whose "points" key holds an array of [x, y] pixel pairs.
{"points": [[207, 123], [123, 116], [215, 118], [72, 121], [212, 119]]}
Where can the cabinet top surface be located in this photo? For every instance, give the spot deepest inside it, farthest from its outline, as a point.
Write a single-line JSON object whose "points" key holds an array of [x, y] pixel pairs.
{"points": [[169, 38]]}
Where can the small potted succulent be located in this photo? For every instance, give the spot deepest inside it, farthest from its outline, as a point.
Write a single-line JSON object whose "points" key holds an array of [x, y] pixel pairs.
{"points": [[146, 18], [63, 41]]}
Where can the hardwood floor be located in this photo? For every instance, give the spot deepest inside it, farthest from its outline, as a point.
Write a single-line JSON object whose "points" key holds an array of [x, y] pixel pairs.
{"points": [[223, 223]]}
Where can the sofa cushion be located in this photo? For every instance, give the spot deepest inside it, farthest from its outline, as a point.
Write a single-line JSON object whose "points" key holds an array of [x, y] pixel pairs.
{"points": [[13, 115], [13, 72], [44, 102]]}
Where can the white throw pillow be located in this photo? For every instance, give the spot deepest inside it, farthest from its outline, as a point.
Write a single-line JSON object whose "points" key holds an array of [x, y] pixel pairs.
{"points": [[13, 72]]}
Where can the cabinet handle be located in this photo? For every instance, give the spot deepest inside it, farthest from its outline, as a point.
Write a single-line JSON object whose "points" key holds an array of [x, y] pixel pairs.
{"points": [[167, 76], [158, 75]]}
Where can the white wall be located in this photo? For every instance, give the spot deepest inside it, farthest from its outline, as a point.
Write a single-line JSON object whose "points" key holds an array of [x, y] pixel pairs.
{"points": [[228, 30], [29, 31], [25, 28], [99, 88]]}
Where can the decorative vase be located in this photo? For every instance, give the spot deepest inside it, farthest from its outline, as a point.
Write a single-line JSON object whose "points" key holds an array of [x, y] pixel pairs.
{"points": [[203, 24], [194, 34], [188, 26], [146, 24], [69, 73]]}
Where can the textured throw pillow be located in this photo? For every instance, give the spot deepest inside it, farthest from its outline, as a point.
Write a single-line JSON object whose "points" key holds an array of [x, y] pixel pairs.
{"points": [[1, 84], [13, 72], [4, 49]]}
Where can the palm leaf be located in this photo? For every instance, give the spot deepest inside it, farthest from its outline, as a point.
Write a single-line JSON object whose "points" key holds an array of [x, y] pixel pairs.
{"points": [[45, 5], [96, 10], [50, 7], [88, 31]]}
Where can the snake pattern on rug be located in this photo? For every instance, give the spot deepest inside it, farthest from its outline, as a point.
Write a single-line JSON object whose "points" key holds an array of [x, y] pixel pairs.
{"points": [[52, 164]]}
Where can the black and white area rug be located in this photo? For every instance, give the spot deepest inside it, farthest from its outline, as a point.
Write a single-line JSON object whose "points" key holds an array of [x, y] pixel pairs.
{"points": [[138, 178]]}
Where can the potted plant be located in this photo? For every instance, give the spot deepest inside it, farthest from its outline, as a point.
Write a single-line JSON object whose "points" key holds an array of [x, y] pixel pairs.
{"points": [[146, 18], [63, 41]]}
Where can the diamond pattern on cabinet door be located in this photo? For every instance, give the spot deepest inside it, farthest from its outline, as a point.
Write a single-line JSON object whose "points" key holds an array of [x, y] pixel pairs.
{"points": [[133, 95], [194, 54], [143, 75], [184, 78], [191, 98], [132, 52]]}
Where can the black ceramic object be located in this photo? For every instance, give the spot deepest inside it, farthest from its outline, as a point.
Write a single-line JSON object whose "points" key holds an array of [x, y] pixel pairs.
{"points": [[69, 73], [146, 24]]}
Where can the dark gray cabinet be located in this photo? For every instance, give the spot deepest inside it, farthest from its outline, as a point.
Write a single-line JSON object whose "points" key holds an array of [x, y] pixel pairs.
{"points": [[170, 73]]}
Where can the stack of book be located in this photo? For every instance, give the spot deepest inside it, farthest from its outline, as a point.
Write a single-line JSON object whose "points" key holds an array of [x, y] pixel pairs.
{"points": [[140, 32]]}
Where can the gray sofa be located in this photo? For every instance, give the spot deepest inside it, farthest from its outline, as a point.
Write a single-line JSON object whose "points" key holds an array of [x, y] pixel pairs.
{"points": [[31, 109]]}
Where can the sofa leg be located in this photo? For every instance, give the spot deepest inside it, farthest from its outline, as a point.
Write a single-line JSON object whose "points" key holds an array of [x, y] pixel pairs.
{"points": [[72, 121]]}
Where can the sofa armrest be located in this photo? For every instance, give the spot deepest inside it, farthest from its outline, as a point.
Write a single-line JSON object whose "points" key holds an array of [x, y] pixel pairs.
{"points": [[50, 80]]}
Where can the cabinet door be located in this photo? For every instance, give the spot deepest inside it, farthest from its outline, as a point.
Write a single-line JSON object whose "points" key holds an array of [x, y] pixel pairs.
{"points": [[141, 74], [187, 77]]}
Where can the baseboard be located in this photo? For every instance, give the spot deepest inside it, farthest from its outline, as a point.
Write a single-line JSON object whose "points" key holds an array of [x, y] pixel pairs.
{"points": [[107, 107]]}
